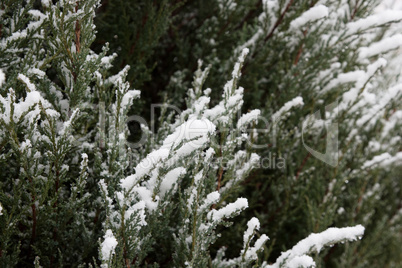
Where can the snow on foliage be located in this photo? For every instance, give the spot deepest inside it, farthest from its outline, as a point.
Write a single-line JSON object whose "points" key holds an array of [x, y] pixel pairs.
{"points": [[2, 77], [246, 119], [108, 245], [143, 194], [298, 101], [225, 212], [381, 46], [314, 243], [64, 130], [378, 19], [315, 13]]}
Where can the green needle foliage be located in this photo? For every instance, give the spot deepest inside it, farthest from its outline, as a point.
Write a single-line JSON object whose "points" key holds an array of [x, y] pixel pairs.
{"points": [[218, 133]]}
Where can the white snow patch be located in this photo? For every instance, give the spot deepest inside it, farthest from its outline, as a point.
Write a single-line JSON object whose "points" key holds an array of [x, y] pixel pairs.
{"points": [[225, 212], [374, 20], [128, 98], [314, 13], [298, 101], [376, 160], [108, 245], [251, 253], [170, 179], [252, 225], [247, 118], [146, 196], [301, 261], [25, 80], [2, 77], [149, 162], [37, 72], [382, 46], [211, 198], [315, 242], [193, 134]]}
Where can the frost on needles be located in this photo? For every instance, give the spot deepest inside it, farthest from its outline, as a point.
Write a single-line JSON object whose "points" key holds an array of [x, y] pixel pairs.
{"points": [[184, 158], [74, 192], [144, 198]]}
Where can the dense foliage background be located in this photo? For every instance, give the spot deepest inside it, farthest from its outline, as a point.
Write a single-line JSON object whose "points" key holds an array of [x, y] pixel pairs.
{"points": [[69, 198]]}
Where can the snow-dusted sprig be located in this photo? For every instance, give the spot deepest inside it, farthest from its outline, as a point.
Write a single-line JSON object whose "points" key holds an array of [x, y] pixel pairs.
{"points": [[204, 224], [186, 139], [375, 20], [84, 172], [199, 79], [216, 217], [226, 5], [266, 24], [313, 14], [241, 169], [232, 97], [108, 248], [159, 174], [112, 124], [26, 110], [246, 119], [145, 193], [297, 256], [380, 47], [107, 201], [31, 31], [383, 160], [197, 100], [230, 86], [281, 113], [248, 254]]}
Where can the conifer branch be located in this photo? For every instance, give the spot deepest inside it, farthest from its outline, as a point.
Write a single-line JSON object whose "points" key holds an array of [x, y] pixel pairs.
{"points": [[156, 204]]}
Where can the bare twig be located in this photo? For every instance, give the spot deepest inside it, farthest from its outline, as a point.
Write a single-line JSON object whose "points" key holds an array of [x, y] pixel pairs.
{"points": [[302, 165], [299, 53], [352, 16], [77, 32], [278, 22]]}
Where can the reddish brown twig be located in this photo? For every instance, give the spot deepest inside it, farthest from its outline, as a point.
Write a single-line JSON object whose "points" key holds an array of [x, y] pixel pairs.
{"points": [[271, 33], [128, 263], [305, 159], [77, 31], [354, 11], [34, 215], [33, 208], [300, 51], [220, 173], [249, 15], [359, 201], [302, 165], [278, 22]]}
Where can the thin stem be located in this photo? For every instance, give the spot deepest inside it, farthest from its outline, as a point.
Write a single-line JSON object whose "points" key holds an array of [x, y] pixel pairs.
{"points": [[77, 31], [278, 22], [354, 10]]}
